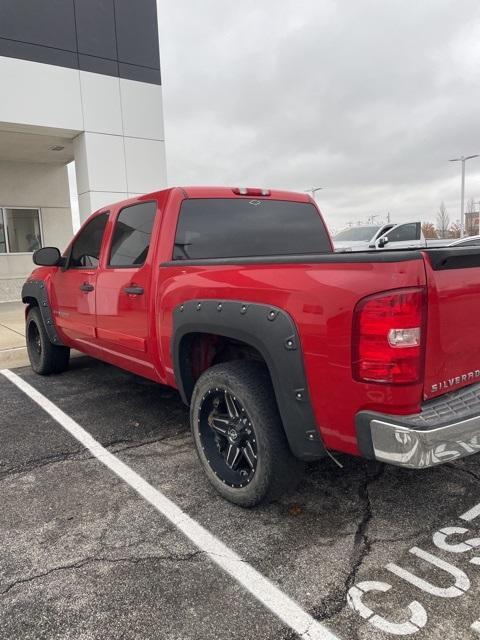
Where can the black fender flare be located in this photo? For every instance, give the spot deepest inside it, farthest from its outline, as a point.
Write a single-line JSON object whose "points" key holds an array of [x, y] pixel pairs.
{"points": [[36, 290], [273, 333]]}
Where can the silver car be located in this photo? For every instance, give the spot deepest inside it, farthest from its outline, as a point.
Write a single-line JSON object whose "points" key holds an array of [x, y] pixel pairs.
{"points": [[387, 236]]}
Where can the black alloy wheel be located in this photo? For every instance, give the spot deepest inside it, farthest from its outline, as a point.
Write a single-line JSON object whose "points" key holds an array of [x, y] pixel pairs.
{"points": [[34, 341], [239, 436], [45, 357], [228, 437]]}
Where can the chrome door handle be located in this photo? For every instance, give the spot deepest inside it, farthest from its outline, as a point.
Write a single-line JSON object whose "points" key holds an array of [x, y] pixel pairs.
{"points": [[86, 286]]}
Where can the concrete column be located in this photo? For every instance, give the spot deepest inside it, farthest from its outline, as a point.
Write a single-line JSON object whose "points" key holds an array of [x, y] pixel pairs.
{"points": [[121, 152], [100, 170]]}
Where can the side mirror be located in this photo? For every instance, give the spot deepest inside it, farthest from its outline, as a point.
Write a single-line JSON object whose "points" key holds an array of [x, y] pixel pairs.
{"points": [[47, 257], [381, 242]]}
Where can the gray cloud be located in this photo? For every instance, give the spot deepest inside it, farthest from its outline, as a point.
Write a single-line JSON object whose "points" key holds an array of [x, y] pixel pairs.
{"points": [[368, 98]]}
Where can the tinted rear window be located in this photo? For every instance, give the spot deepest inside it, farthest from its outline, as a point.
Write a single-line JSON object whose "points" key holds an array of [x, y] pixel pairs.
{"points": [[231, 228]]}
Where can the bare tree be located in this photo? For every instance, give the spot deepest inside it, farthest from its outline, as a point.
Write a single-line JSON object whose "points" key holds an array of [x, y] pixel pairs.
{"points": [[428, 229], [454, 230], [471, 219], [443, 221]]}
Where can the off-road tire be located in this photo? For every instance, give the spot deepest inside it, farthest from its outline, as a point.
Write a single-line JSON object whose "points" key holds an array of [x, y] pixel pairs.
{"points": [[277, 470], [45, 357]]}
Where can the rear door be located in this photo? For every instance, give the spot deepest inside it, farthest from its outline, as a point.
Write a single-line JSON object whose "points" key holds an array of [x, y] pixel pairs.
{"points": [[73, 288], [453, 331], [124, 287]]}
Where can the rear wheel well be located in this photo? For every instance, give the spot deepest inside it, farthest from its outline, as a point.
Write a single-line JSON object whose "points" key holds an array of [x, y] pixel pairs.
{"points": [[200, 351], [30, 303]]}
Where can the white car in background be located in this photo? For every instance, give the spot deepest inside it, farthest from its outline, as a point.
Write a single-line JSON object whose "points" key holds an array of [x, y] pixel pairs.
{"points": [[471, 241], [387, 236]]}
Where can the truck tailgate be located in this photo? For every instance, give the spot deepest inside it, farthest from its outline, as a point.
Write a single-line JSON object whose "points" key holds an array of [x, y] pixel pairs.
{"points": [[453, 325]]}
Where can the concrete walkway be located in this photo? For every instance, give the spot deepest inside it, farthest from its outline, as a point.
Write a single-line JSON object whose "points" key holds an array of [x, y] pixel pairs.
{"points": [[13, 352]]}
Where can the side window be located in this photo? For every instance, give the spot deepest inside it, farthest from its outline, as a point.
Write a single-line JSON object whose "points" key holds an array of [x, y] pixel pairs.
{"points": [[404, 233], [86, 247], [131, 236]]}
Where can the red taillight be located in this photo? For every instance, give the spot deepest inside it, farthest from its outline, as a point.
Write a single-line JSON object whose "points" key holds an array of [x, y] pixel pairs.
{"points": [[389, 337], [250, 191]]}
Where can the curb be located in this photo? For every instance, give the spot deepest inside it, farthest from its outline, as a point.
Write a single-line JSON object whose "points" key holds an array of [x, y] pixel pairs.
{"points": [[18, 357], [13, 358]]}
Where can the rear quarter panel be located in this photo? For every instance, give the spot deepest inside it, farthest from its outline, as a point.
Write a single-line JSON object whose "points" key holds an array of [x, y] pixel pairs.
{"points": [[320, 298]]}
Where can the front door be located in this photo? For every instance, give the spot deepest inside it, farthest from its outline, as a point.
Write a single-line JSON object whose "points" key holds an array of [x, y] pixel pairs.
{"points": [[124, 290], [74, 287], [405, 236]]}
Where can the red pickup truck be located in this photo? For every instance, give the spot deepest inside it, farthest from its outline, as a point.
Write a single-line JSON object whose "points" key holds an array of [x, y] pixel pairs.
{"points": [[284, 350]]}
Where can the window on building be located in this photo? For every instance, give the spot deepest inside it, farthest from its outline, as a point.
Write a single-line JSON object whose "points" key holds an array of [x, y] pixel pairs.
{"points": [[3, 234], [131, 237], [19, 230], [86, 248]]}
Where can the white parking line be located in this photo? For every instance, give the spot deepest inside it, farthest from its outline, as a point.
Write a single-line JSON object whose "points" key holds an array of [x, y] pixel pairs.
{"points": [[288, 611]]}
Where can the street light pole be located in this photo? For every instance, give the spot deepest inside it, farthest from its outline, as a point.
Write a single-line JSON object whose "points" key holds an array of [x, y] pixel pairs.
{"points": [[313, 191], [463, 159]]}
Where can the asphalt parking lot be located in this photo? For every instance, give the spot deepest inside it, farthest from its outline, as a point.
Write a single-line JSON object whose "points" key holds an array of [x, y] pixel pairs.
{"points": [[83, 556]]}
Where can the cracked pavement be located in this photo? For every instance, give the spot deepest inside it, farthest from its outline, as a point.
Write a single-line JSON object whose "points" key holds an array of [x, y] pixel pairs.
{"points": [[83, 557]]}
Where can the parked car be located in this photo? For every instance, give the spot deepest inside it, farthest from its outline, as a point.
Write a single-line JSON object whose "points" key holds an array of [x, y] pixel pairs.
{"points": [[438, 242], [358, 238], [284, 350], [470, 241], [388, 236]]}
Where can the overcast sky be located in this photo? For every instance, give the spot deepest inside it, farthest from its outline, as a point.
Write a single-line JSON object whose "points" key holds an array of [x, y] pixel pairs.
{"points": [[366, 98]]}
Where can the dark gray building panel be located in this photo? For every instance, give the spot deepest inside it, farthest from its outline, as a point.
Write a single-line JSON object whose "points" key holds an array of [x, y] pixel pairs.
{"points": [[50, 23], [38, 53], [98, 65], [96, 28], [141, 74], [137, 32], [110, 37]]}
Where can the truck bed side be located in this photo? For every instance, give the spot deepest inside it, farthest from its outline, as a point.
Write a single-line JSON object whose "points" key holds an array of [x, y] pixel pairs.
{"points": [[320, 294]]}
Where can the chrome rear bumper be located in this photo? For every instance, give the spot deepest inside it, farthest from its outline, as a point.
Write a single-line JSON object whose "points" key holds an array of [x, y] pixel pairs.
{"points": [[447, 428]]}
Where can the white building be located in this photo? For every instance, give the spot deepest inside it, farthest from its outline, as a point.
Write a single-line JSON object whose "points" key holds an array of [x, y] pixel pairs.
{"points": [[80, 81]]}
